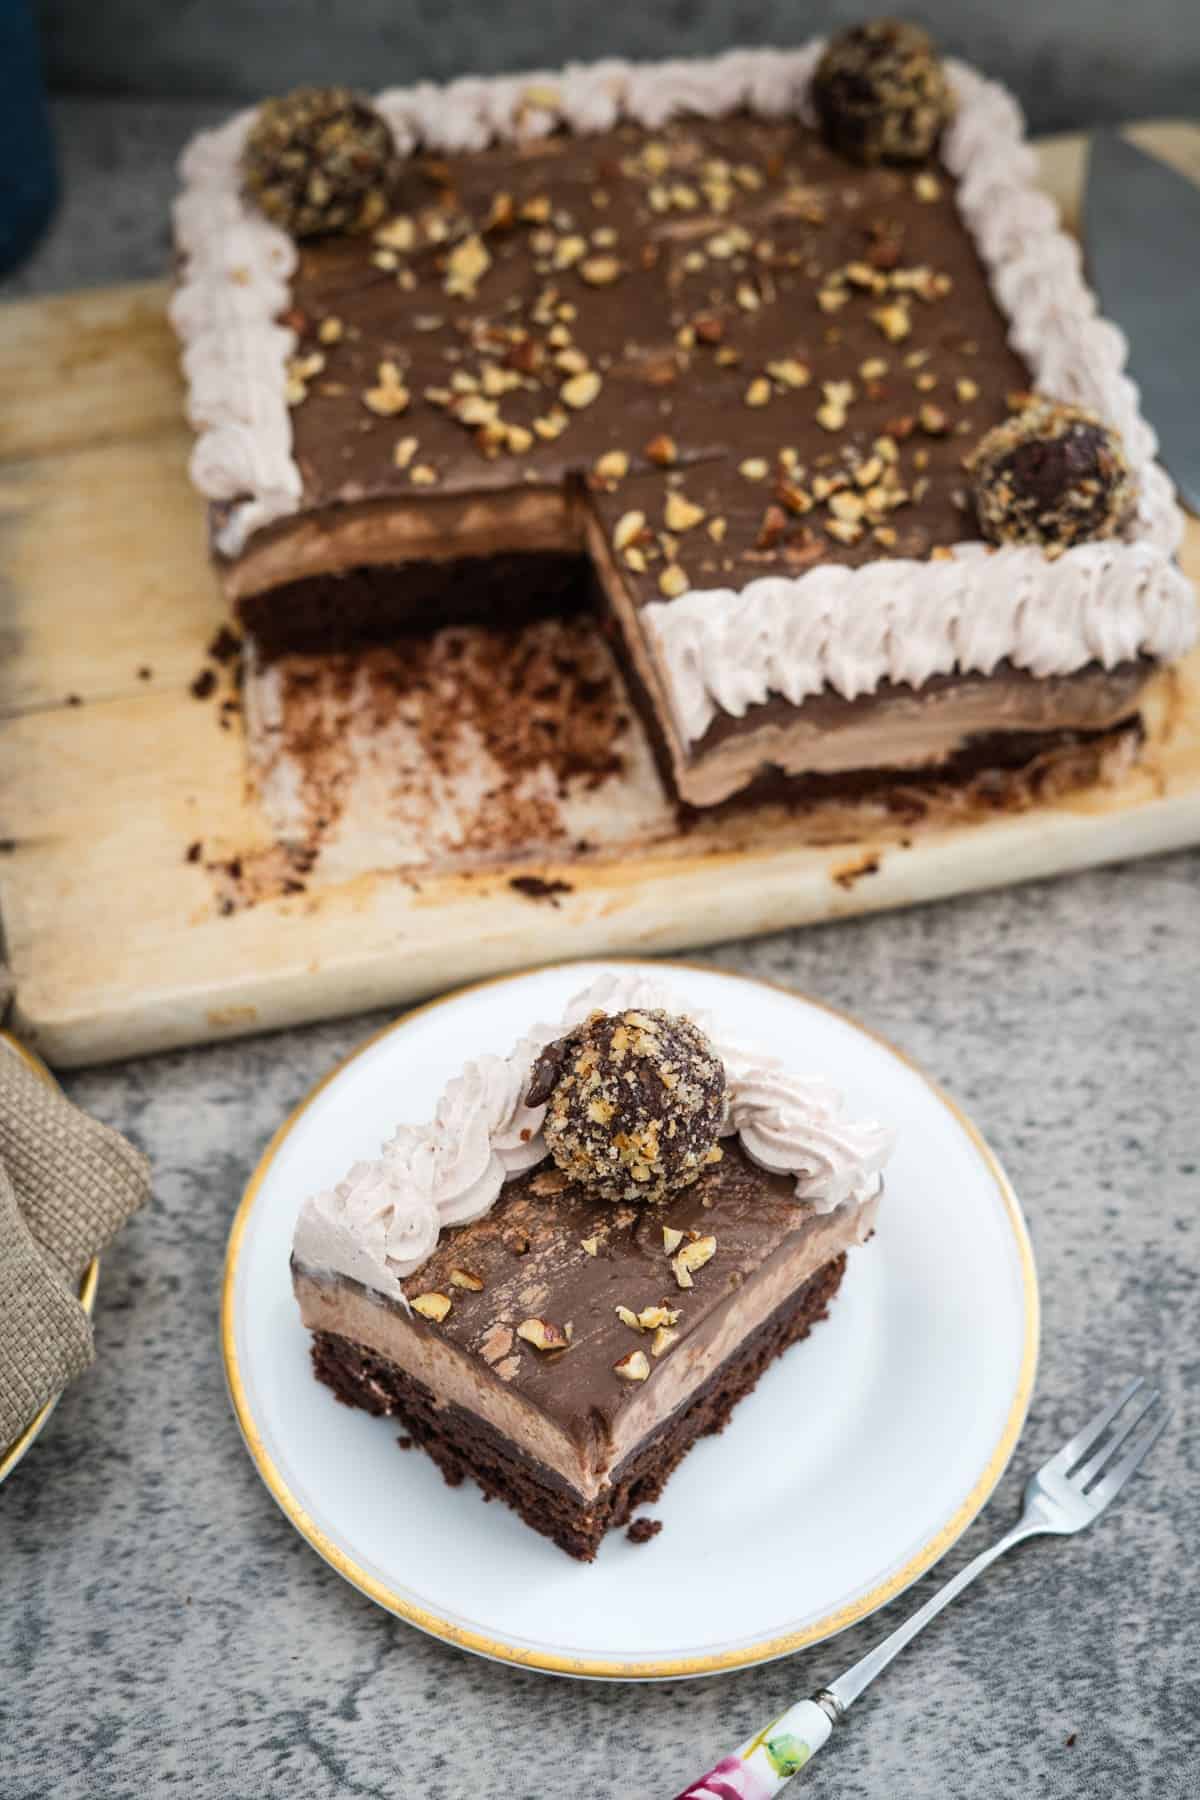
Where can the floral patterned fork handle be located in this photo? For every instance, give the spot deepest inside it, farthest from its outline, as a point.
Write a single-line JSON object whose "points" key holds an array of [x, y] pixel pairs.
{"points": [[1066, 1494]]}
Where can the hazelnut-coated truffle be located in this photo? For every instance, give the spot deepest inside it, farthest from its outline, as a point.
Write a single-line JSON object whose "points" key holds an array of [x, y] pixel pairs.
{"points": [[636, 1100], [319, 160], [1051, 475], [880, 93]]}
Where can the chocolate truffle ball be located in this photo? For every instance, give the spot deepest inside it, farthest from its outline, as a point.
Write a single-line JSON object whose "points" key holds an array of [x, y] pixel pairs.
{"points": [[1051, 475], [635, 1103], [880, 93], [319, 160]]}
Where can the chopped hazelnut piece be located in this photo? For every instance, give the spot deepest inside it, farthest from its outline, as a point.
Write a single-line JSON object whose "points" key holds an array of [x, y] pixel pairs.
{"points": [[581, 390], [791, 372], [662, 450], [716, 529], [569, 250], [399, 233], [552, 425], [627, 528], [748, 297], [431, 1306], [330, 330], [463, 1278], [759, 391], [680, 513], [933, 421], [794, 497], [590, 1245], [652, 1318], [600, 271], [847, 531], [518, 439], [474, 409], [671, 1238], [612, 466], [691, 1257], [893, 320], [673, 582], [966, 389], [754, 468], [846, 506], [772, 528], [926, 186], [496, 381], [662, 1340], [423, 476], [466, 266], [404, 451], [500, 213], [627, 1317], [543, 1334], [389, 396], [633, 1367]]}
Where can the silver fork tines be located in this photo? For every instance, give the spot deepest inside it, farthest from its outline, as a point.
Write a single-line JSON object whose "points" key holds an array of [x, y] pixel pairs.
{"points": [[1077, 1484]]}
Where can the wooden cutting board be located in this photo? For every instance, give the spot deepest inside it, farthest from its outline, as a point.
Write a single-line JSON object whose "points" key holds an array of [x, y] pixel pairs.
{"points": [[110, 768]]}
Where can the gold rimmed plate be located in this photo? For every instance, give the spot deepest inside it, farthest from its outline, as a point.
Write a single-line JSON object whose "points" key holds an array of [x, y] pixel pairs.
{"points": [[10, 1457], [855, 1464]]}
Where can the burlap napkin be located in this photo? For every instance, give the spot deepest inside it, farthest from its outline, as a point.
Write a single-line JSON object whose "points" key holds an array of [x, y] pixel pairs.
{"points": [[66, 1184]]}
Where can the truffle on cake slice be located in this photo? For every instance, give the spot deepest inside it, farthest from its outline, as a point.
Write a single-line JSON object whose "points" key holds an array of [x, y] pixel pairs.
{"points": [[540, 1315]]}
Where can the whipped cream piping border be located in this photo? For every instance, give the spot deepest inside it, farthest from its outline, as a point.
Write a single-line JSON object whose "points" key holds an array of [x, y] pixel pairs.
{"points": [[234, 281], [383, 1221], [720, 650]]}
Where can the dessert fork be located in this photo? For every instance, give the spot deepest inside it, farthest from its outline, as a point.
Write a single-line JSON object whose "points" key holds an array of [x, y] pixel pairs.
{"points": [[1066, 1494]]}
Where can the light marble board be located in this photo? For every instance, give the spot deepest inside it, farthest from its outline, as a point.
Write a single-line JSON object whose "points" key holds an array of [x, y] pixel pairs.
{"points": [[110, 768]]}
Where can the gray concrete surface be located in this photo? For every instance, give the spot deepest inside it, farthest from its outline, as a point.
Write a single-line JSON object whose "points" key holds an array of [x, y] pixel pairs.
{"points": [[1072, 62], [162, 1628]]}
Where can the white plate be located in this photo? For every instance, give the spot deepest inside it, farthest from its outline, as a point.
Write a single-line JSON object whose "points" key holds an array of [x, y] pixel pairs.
{"points": [[855, 1464]]}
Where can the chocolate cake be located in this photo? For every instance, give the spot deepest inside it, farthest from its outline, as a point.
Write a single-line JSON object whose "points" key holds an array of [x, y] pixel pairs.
{"points": [[712, 346], [560, 1314]]}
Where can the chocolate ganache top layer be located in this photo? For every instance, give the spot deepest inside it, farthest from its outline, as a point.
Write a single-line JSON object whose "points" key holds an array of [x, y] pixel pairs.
{"points": [[755, 355]]}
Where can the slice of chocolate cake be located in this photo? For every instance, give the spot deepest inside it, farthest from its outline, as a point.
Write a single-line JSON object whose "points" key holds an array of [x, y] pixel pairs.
{"points": [[741, 351], [589, 1256]]}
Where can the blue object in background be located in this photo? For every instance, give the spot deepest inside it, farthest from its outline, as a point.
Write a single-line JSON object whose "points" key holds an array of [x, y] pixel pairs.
{"points": [[28, 177]]}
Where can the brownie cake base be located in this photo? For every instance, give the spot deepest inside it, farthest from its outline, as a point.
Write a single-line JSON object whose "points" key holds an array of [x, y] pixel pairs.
{"points": [[380, 603], [462, 1445]]}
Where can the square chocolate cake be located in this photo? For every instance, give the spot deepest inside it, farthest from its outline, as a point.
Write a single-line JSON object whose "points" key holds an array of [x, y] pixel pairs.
{"points": [[589, 1256], [778, 360]]}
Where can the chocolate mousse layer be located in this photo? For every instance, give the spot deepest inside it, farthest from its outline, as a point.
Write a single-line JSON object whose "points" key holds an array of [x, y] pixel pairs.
{"points": [[552, 1264]]}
